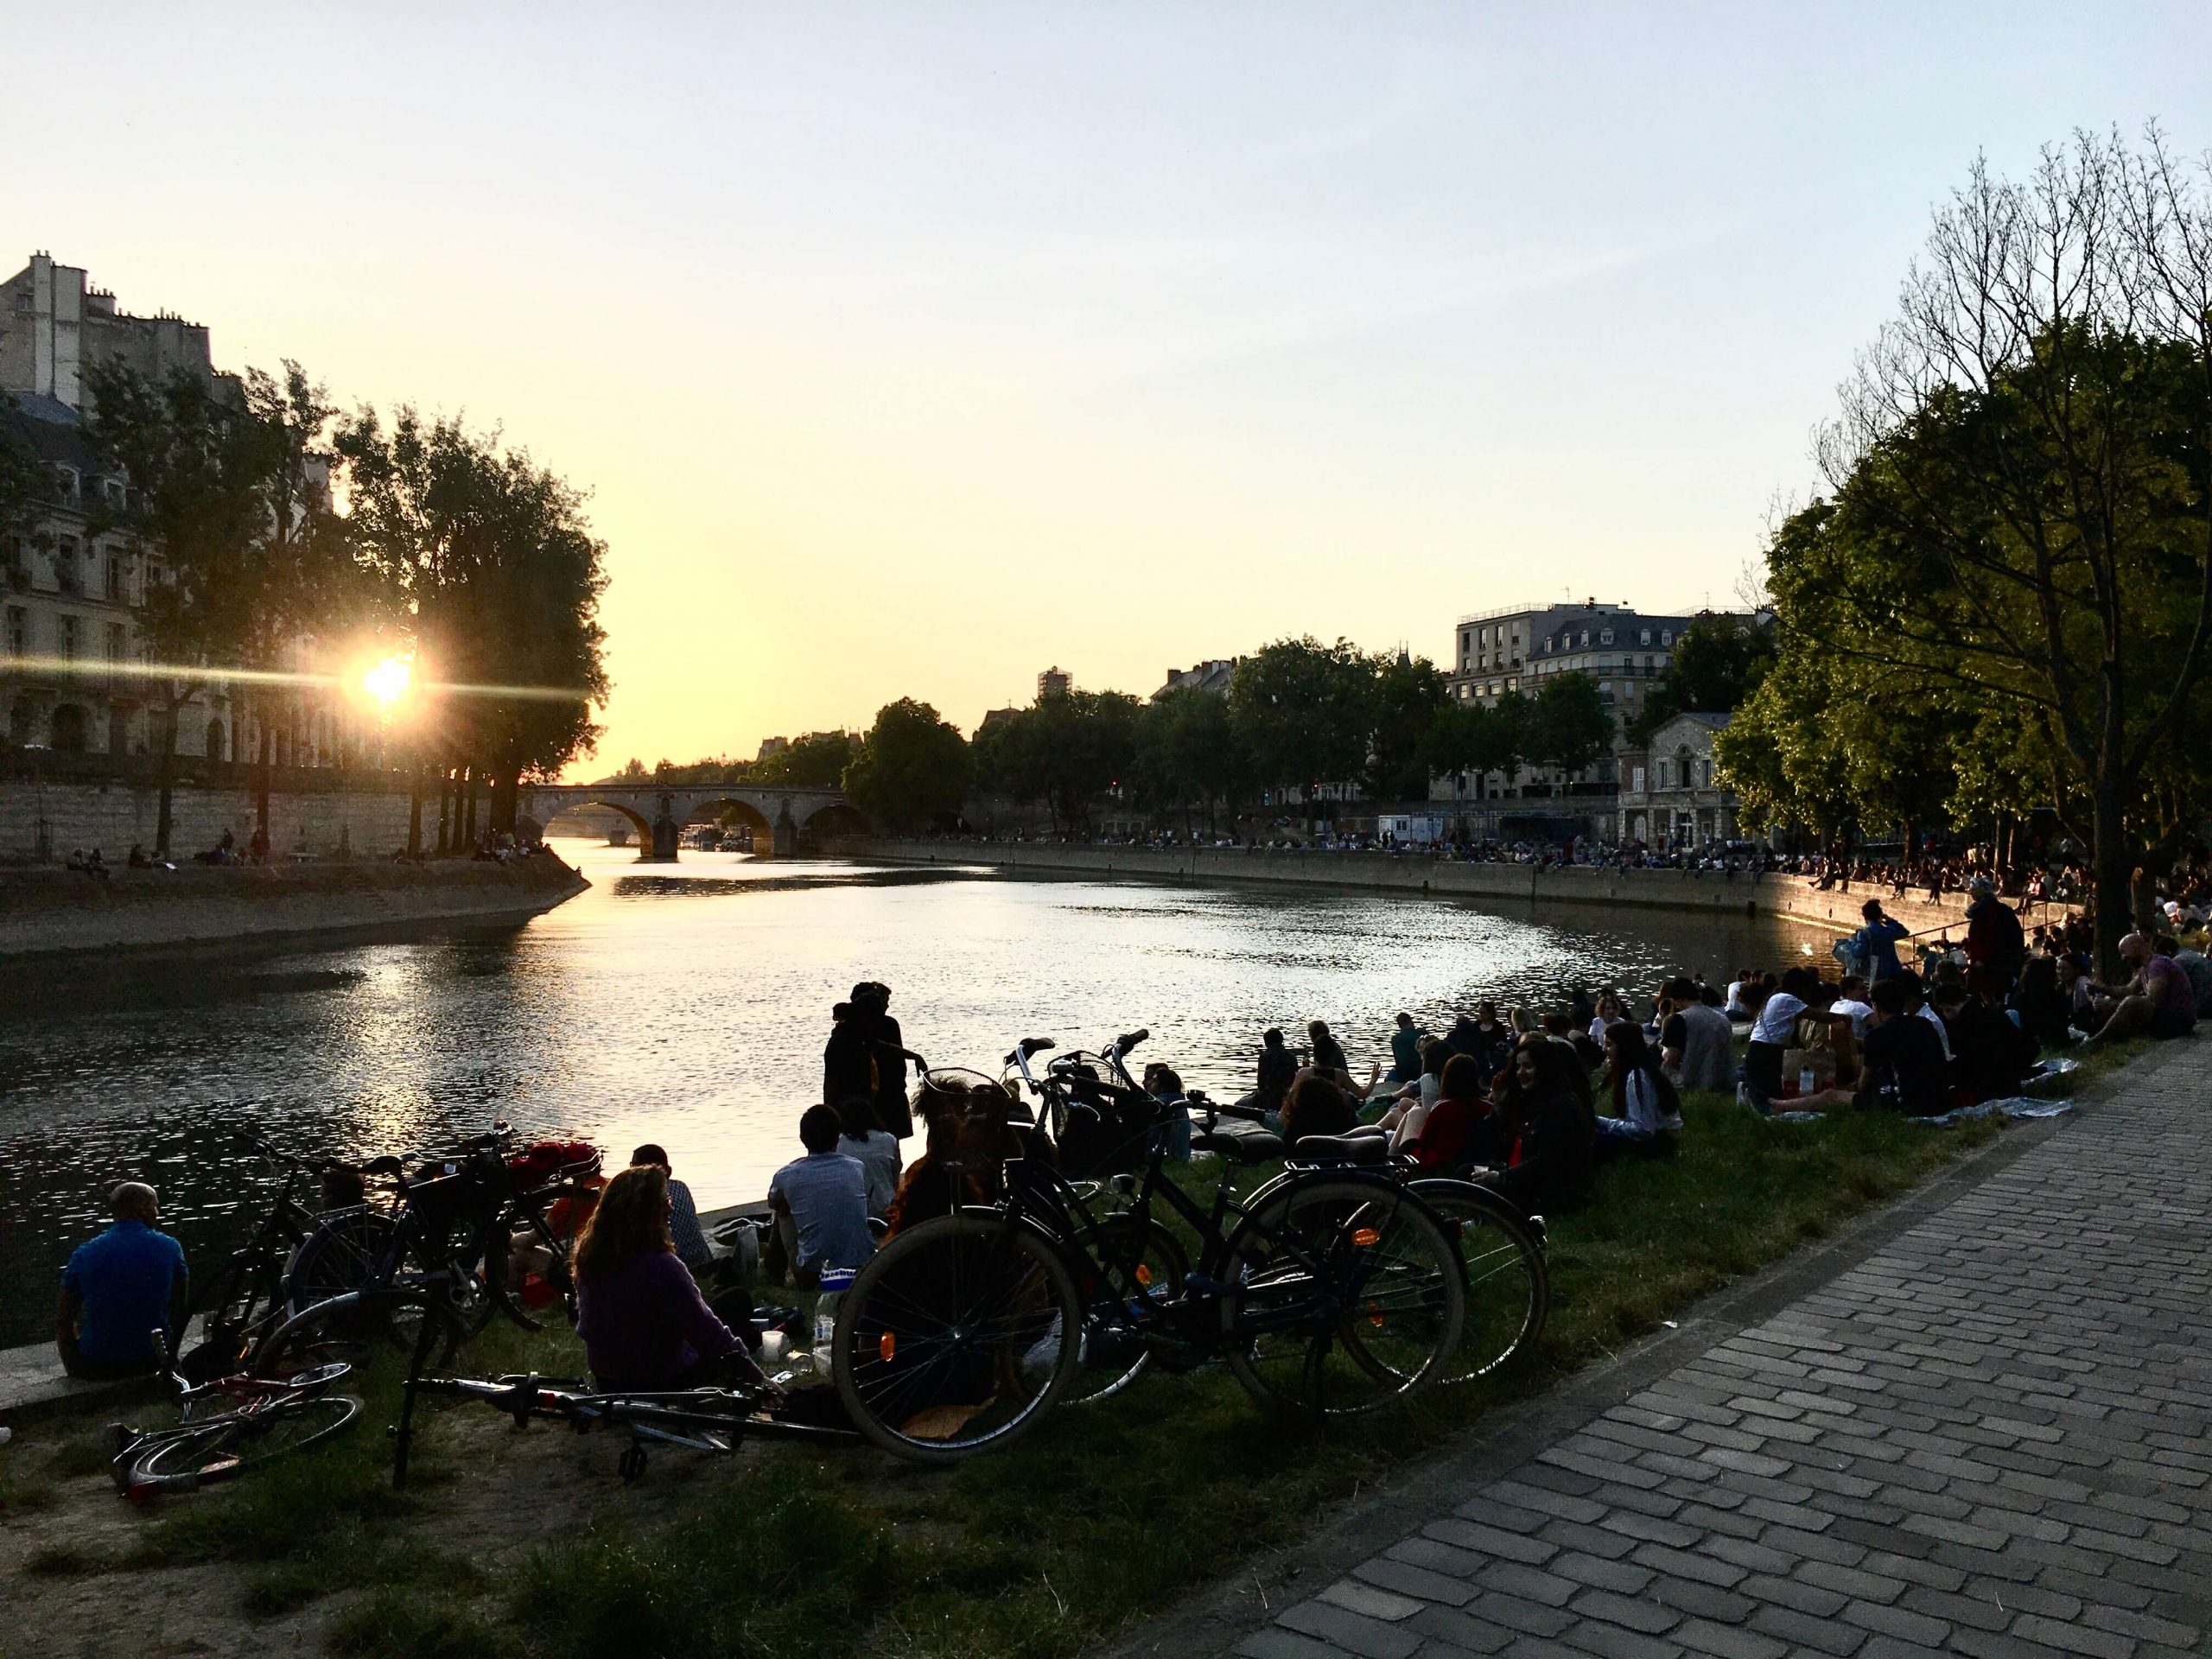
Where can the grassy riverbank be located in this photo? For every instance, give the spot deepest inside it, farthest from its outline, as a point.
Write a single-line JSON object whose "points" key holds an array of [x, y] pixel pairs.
{"points": [[527, 1545]]}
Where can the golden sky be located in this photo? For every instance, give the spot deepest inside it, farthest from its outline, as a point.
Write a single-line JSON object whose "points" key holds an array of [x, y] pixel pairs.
{"points": [[906, 350]]}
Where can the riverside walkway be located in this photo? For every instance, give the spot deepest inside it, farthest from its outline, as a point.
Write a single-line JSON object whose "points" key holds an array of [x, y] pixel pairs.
{"points": [[1988, 1437]]}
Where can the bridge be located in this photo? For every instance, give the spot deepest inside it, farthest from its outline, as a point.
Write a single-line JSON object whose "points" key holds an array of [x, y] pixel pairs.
{"points": [[780, 818]]}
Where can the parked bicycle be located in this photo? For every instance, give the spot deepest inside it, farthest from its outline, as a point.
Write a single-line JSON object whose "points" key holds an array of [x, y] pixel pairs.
{"points": [[1338, 1292], [226, 1426]]}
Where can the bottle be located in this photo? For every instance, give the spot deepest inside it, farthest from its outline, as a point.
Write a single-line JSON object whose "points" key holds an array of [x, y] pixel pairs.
{"points": [[835, 1281], [1806, 1085]]}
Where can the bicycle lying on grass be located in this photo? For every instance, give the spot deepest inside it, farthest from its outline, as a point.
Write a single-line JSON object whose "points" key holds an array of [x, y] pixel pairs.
{"points": [[227, 1427], [1333, 1291]]}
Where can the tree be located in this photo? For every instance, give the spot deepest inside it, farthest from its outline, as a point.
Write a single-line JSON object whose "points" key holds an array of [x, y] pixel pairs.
{"points": [[1569, 724], [1405, 699], [911, 770], [1478, 739], [817, 760], [26, 485], [1066, 750], [2020, 513], [1187, 752], [198, 471], [1304, 711], [499, 580], [1718, 662]]}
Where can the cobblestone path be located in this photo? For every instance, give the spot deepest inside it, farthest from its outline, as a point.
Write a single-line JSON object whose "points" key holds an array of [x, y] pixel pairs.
{"points": [[1988, 1437]]}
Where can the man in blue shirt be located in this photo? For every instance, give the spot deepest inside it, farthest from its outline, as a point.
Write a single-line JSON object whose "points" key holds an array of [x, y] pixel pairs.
{"points": [[821, 1203], [119, 1289]]}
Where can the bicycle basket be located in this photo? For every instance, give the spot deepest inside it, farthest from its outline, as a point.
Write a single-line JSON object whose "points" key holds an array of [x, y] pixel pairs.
{"points": [[543, 1163]]}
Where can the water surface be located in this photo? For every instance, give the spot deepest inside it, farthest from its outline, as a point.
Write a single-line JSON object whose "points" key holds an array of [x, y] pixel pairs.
{"points": [[688, 1004]]}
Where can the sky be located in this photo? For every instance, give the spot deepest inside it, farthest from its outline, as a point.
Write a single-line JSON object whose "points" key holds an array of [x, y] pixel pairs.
{"points": [[905, 350]]}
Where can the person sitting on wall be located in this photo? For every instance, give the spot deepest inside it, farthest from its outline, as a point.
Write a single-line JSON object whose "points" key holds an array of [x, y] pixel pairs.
{"points": [[119, 1289], [2157, 1002], [138, 861], [821, 1201]]}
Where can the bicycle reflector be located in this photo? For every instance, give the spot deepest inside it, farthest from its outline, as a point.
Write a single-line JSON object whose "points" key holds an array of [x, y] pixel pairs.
{"points": [[1144, 1275], [1367, 1238], [886, 1346]]}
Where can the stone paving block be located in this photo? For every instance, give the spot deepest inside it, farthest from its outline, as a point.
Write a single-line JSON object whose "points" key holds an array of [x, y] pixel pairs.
{"points": [[1806, 1634], [1635, 1613], [1356, 1596], [1355, 1633], [1276, 1642], [1611, 1642], [2075, 1638], [1697, 1566], [1417, 1581], [1725, 1641], [1488, 1540]]}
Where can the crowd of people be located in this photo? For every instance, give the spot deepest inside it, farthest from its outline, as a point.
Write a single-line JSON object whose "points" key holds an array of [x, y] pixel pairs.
{"points": [[1527, 1102]]}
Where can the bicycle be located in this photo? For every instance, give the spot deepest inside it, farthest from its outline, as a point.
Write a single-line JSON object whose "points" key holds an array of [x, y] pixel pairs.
{"points": [[260, 1419], [712, 1419], [261, 1279], [1338, 1293]]}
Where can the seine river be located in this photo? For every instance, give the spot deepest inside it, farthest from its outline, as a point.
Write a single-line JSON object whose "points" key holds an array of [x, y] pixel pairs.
{"points": [[688, 1004]]}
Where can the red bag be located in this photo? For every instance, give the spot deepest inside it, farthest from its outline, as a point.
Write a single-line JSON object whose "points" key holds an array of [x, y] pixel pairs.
{"points": [[545, 1161]]}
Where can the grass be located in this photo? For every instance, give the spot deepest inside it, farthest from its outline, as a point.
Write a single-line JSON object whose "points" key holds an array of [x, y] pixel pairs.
{"points": [[1105, 1515]]}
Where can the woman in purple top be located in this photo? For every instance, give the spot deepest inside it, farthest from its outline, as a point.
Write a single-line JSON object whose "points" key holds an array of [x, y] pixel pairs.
{"points": [[644, 1324]]}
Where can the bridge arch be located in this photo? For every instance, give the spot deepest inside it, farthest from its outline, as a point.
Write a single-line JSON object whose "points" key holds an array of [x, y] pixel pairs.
{"points": [[640, 826]]}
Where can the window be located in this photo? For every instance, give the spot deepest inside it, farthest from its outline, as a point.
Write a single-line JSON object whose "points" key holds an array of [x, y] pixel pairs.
{"points": [[19, 632], [113, 573], [1606, 637], [114, 646], [1636, 783], [1643, 637], [1586, 635], [69, 627], [1666, 636]]}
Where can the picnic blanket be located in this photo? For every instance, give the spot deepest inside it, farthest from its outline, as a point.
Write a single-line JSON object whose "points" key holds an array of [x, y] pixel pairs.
{"points": [[2017, 1106]]}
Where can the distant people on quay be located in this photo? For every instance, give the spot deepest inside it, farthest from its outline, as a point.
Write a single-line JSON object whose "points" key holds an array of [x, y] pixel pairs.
{"points": [[119, 1290]]}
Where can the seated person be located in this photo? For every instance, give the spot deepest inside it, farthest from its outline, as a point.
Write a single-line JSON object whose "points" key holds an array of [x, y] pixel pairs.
{"points": [[1461, 1129], [1165, 1085], [2157, 1002], [691, 1247], [1278, 1070], [861, 1137], [119, 1289], [1402, 1119], [2042, 1004], [1328, 1054], [1405, 1050], [821, 1203], [934, 1184], [1697, 1045], [644, 1324], [1647, 1112], [1549, 1134], [1990, 1055], [1851, 1003], [1901, 1066], [1316, 1106]]}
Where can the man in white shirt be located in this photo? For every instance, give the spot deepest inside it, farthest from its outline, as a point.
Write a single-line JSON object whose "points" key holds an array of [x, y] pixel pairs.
{"points": [[1850, 1001]]}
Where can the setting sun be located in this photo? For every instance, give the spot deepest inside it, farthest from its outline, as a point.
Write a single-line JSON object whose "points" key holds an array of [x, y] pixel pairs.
{"points": [[387, 681]]}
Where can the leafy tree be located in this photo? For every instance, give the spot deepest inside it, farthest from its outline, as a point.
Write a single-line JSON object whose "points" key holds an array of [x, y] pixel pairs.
{"points": [[1065, 750], [817, 760], [26, 485], [1406, 695], [499, 578], [911, 770], [1478, 739], [2021, 510], [1718, 662], [1569, 724], [1304, 711], [1186, 752], [198, 470]]}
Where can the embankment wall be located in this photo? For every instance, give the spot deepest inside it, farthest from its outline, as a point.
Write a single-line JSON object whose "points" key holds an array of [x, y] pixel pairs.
{"points": [[1795, 897], [47, 912], [111, 816]]}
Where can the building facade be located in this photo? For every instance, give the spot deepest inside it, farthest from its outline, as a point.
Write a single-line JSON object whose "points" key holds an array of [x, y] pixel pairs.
{"points": [[74, 580], [1668, 794]]}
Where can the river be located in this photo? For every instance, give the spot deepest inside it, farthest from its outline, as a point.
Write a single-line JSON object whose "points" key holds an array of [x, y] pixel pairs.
{"points": [[688, 1004]]}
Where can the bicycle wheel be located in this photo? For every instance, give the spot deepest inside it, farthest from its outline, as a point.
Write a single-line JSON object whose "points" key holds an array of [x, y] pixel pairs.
{"points": [[1347, 1297], [354, 1329], [226, 1446], [234, 1307], [1509, 1286], [1141, 1260], [347, 1250], [950, 1341]]}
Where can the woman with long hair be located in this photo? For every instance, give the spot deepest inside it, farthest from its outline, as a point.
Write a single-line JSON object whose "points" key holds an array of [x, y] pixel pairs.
{"points": [[644, 1324], [1647, 1112], [1550, 1133]]}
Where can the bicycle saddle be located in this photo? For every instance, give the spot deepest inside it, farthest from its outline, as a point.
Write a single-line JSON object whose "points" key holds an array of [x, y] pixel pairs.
{"points": [[1364, 1150]]}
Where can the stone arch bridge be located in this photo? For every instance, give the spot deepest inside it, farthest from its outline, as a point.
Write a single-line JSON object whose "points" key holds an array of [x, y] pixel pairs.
{"points": [[781, 818]]}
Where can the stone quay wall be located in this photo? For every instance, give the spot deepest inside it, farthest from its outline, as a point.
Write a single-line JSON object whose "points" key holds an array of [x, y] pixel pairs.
{"points": [[48, 912], [1417, 875], [112, 815]]}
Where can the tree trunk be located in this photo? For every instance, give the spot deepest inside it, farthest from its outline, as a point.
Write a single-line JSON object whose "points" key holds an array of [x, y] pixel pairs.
{"points": [[262, 763], [2113, 861], [445, 812], [468, 822], [165, 775], [415, 811]]}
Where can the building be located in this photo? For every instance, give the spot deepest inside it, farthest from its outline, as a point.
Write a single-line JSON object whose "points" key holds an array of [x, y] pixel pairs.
{"points": [[771, 746], [55, 328], [74, 583], [1212, 676], [1054, 682], [1513, 649], [1669, 796]]}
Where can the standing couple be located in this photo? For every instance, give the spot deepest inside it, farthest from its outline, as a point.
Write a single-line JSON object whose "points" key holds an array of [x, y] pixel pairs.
{"points": [[867, 1057]]}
